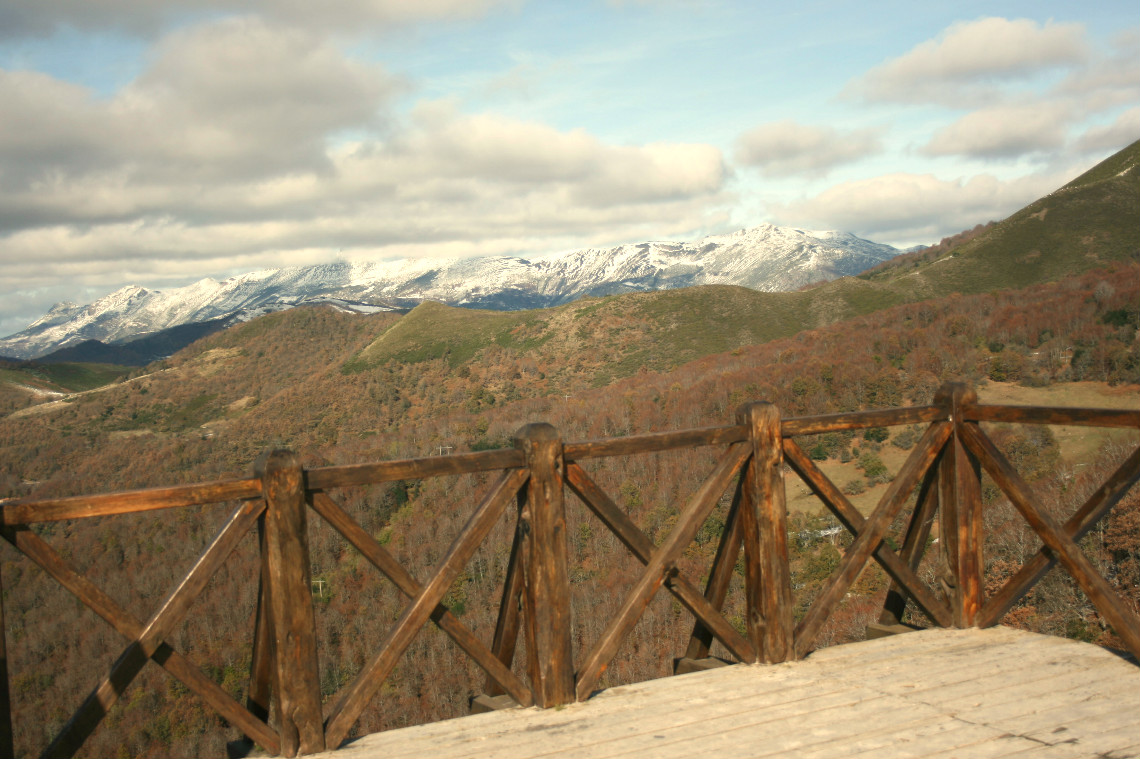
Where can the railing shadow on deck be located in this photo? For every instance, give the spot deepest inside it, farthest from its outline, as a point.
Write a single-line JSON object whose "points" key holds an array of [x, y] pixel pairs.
{"points": [[283, 713]]}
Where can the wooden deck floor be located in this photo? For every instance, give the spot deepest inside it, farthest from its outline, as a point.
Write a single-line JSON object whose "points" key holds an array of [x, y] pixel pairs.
{"points": [[936, 693]]}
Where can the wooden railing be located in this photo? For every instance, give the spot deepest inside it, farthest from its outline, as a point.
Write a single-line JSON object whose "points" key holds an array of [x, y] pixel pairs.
{"points": [[941, 477]]}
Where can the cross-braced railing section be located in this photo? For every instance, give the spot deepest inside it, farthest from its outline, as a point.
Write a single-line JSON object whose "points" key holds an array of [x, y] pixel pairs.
{"points": [[148, 639], [532, 486]]}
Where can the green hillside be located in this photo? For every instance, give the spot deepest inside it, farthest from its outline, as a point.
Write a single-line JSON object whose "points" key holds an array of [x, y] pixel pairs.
{"points": [[1088, 223]]}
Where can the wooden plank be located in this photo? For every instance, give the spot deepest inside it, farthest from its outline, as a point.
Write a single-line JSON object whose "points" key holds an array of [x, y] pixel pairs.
{"points": [[689, 523], [7, 747], [913, 549], [181, 668], [1096, 507], [836, 502], [639, 544], [291, 603], [765, 502], [654, 442], [1072, 417], [356, 696], [81, 507], [546, 575], [961, 486], [755, 619], [153, 634], [506, 635], [919, 461], [263, 656], [857, 420], [325, 478], [723, 566], [380, 558], [1106, 601]]}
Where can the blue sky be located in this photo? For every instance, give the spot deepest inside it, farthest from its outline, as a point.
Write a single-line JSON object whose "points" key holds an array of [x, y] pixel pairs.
{"points": [[157, 142]]}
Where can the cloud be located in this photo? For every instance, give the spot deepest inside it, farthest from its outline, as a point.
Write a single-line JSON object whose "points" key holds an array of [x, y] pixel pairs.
{"points": [[1006, 131], [905, 208], [786, 148], [233, 100], [1109, 81], [23, 18], [1120, 133], [969, 56]]}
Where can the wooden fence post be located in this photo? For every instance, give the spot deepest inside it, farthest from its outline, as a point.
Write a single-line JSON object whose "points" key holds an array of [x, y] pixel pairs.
{"points": [[765, 506], [7, 746], [961, 504], [546, 583], [291, 604]]}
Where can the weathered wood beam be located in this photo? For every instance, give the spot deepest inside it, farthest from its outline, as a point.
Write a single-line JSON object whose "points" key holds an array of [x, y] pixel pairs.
{"points": [[1073, 417], [7, 747], [961, 486], [913, 549], [716, 588], [506, 636], [546, 574], [858, 420], [654, 442], [326, 478], [18, 512], [768, 581]]}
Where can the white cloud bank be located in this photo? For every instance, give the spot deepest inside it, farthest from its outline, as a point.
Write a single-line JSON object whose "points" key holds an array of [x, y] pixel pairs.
{"points": [[231, 152]]}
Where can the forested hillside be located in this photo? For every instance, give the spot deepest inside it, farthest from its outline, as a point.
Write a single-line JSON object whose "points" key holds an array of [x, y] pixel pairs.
{"points": [[341, 388]]}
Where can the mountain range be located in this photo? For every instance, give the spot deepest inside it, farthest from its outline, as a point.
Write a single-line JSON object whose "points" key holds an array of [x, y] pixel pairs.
{"points": [[765, 258]]}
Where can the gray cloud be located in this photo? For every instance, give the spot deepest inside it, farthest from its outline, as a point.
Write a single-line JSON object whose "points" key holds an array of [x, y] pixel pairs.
{"points": [[962, 64], [21, 18], [786, 148], [1007, 131], [917, 207], [1119, 134]]}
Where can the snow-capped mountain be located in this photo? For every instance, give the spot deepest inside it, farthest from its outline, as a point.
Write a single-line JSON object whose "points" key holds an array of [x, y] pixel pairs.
{"points": [[766, 258]]}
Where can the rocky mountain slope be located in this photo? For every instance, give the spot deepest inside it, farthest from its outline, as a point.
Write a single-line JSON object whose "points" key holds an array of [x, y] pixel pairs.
{"points": [[767, 258]]}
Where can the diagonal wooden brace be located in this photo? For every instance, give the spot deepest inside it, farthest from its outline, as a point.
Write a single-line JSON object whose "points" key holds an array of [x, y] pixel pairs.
{"points": [[691, 519], [642, 547], [151, 638]]}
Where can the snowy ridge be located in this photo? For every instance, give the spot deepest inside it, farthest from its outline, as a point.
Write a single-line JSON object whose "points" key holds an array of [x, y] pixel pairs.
{"points": [[767, 258]]}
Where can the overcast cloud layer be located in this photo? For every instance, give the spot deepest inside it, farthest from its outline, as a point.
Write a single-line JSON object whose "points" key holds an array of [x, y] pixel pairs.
{"points": [[258, 134]]}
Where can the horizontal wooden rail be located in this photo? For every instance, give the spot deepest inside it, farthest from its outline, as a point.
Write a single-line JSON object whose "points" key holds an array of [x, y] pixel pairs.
{"points": [[17, 512], [326, 478], [860, 420], [1074, 417], [654, 442]]}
